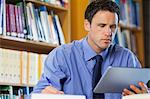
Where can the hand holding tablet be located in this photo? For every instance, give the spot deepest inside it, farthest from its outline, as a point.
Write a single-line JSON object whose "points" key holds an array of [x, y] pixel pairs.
{"points": [[115, 79]]}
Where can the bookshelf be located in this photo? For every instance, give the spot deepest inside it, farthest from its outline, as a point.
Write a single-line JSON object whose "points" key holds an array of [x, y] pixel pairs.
{"points": [[23, 49], [25, 45], [77, 29]]}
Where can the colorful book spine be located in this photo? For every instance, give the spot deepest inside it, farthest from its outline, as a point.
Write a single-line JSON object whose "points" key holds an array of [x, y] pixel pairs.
{"points": [[60, 31], [20, 22], [4, 17], [17, 21], [12, 20], [7, 20], [1, 17]]}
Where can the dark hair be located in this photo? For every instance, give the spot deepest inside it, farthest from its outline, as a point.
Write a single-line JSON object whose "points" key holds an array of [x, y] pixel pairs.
{"points": [[101, 5]]}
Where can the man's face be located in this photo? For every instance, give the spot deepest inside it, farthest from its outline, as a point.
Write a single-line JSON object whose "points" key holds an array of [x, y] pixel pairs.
{"points": [[101, 30]]}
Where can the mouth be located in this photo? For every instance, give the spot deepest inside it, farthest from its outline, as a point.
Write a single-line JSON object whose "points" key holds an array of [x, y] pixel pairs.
{"points": [[107, 40]]}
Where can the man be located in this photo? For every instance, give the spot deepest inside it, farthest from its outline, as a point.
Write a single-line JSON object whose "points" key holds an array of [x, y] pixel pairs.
{"points": [[69, 69]]}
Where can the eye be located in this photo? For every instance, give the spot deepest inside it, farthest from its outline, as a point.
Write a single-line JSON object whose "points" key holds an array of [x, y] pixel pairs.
{"points": [[113, 27], [101, 25]]}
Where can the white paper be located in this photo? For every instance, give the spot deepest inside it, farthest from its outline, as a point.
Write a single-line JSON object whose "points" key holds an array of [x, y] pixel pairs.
{"points": [[137, 96], [56, 96]]}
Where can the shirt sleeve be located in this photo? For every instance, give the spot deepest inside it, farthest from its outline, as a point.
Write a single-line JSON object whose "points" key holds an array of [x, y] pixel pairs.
{"points": [[53, 71], [133, 61]]}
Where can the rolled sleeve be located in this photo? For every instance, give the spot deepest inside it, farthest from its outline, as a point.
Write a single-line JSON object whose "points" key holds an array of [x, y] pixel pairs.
{"points": [[52, 71]]}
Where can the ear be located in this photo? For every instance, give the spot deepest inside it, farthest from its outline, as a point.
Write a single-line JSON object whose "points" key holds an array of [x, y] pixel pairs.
{"points": [[86, 25]]}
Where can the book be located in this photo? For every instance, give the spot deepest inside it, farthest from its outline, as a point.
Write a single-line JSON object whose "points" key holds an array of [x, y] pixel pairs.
{"points": [[32, 68], [29, 34], [137, 14], [20, 19], [26, 29], [24, 62], [128, 38], [4, 17], [39, 26], [13, 26], [130, 13], [45, 24], [1, 13], [7, 20], [21, 67], [6, 92], [33, 21], [17, 21], [41, 61], [60, 31], [53, 31], [133, 43]]}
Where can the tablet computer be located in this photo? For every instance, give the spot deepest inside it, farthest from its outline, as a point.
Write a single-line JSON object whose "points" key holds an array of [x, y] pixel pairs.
{"points": [[115, 79]]}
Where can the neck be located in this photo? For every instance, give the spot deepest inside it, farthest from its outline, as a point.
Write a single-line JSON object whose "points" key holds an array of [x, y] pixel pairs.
{"points": [[94, 46]]}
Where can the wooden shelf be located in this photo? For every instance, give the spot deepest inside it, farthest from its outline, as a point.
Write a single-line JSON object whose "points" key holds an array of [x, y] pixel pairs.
{"points": [[50, 6], [130, 27], [25, 45], [139, 1], [15, 84]]}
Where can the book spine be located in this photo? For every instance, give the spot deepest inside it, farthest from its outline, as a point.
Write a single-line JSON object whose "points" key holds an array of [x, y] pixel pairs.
{"points": [[17, 21], [20, 22], [1, 17], [12, 20], [7, 20], [4, 17]]}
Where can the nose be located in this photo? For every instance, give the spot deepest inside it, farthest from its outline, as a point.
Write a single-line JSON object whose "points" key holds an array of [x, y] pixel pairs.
{"points": [[108, 31]]}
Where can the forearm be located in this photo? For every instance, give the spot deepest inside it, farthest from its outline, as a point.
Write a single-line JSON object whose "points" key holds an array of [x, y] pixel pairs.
{"points": [[42, 83]]}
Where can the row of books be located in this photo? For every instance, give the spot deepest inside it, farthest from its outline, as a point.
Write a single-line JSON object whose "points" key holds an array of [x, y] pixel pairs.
{"points": [[126, 38], [14, 92], [62, 3], [25, 21], [20, 67], [130, 12]]}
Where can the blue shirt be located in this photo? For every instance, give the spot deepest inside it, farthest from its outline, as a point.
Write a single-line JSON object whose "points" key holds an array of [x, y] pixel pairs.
{"points": [[69, 67]]}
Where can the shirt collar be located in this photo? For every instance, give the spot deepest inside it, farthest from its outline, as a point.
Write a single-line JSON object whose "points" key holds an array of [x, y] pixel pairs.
{"points": [[89, 53]]}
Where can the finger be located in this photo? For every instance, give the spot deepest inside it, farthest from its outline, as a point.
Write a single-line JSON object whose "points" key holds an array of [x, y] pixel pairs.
{"points": [[124, 94], [47, 91], [54, 90], [135, 89], [51, 90], [61, 92], [143, 86], [128, 92]]}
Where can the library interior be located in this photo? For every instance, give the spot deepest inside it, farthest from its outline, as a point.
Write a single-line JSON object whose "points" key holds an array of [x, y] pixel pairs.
{"points": [[31, 29]]}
